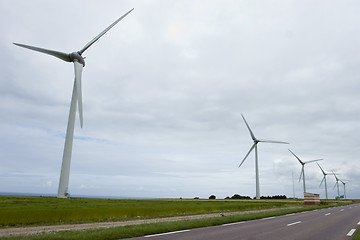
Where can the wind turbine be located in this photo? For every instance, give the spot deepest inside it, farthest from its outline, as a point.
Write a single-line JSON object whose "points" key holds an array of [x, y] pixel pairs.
{"points": [[344, 187], [256, 141], [76, 99], [324, 179], [337, 183], [302, 174]]}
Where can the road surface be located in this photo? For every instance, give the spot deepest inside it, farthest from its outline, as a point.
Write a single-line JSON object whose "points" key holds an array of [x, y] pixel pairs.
{"points": [[331, 224]]}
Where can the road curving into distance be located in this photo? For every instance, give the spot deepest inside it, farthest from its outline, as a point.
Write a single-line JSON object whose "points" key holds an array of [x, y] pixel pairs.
{"points": [[330, 223]]}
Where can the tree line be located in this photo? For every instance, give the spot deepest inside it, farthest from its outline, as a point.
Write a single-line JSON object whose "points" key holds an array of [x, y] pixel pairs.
{"points": [[237, 196]]}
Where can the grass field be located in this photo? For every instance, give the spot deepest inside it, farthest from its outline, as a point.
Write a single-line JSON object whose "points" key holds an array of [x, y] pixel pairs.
{"points": [[154, 228], [31, 211], [20, 211]]}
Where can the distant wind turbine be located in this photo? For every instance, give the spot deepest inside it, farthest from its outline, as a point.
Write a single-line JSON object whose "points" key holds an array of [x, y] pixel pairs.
{"points": [[256, 141], [336, 184], [323, 180], [76, 99], [302, 174], [344, 187]]}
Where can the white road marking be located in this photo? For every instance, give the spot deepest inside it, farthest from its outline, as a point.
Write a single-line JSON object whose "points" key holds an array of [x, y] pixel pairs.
{"points": [[290, 214], [351, 232], [229, 224], [290, 224], [268, 218], [327, 214], [358, 223], [342, 210], [161, 234]]}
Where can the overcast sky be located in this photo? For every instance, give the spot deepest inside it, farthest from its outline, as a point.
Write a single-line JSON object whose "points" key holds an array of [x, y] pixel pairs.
{"points": [[163, 93]]}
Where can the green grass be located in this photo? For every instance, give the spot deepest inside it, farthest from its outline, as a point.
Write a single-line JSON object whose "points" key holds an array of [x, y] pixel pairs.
{"points": [[23, 211], [357, 235], [31, 211], [154, 228]]}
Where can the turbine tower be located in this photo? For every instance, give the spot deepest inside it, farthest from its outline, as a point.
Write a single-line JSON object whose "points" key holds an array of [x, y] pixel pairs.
{"points": [[76, 99], [302, 174], [324, 180], [344, 187], [256, 141]]}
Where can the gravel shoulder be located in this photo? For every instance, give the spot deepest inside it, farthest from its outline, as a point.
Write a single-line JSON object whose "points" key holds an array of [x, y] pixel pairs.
{"points": [[86, 226]]}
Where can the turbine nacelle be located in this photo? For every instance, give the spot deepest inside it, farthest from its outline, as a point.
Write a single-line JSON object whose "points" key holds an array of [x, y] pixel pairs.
{"points": [[76, 56]]}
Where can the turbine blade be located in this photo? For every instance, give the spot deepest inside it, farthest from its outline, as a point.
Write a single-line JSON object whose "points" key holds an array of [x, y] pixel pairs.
{"points": [[313, 161], [335, 175], [78, 67], [322, 180], [251, 133], [302, 170], [321, 170], [102, 33], [272, 141], [247, 154], [297, 157], [61, 55]]}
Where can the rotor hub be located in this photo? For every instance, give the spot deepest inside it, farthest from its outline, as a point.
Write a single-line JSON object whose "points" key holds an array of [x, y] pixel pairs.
{"points": [[76, 56]]}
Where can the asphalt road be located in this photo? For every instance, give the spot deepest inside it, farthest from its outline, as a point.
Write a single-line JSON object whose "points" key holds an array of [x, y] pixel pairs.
{"points": [[330, 224]]}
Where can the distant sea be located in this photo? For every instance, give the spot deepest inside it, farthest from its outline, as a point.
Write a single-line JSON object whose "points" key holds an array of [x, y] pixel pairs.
{"points": [[54, 195]]}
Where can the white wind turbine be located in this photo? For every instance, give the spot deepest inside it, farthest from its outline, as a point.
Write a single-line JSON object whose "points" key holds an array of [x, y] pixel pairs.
{"points": [[344, 183], [336, 184], [256, 141], [302, 174], [76, 99], [324, 180]]}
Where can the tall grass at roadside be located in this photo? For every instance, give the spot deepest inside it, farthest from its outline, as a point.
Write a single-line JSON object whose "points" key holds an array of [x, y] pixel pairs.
{"points": [[357, 235], [19, 211]]}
